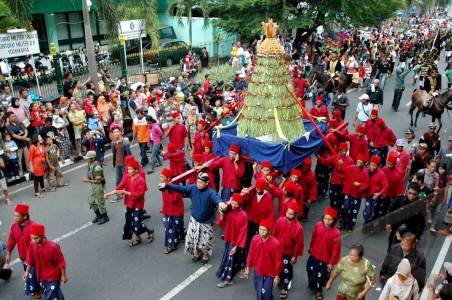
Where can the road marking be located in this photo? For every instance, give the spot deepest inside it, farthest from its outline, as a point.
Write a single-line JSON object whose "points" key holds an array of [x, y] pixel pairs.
{"points": [[438, 263], [60, 238], [189, 280], [64, 172]]}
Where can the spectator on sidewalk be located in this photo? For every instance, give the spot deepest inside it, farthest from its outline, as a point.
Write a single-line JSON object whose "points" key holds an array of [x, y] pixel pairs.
{"points": [[19, 135]]}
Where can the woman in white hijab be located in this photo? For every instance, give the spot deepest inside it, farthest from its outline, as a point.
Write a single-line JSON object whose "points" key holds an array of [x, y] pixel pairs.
{"points": [[402, 285]]}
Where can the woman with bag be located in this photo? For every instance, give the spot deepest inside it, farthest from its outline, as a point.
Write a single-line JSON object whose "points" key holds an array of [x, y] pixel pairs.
{"points": [[402, 285], [357, 275]]}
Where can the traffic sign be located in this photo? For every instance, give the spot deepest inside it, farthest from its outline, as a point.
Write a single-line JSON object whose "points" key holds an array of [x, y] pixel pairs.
{"points": [[133, 29]]}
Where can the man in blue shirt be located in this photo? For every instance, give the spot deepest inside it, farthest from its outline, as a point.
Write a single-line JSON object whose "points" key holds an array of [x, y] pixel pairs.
{"points": [[199, 238]]}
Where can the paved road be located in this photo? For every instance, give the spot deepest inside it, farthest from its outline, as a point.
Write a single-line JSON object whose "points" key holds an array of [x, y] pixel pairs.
{"points": [[102, 266]]}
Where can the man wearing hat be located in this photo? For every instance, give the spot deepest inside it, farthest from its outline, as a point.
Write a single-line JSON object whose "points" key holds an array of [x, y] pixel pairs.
{"points": [[173, 214], [199, 237], [363, 110], [337, 176], [235, 224], [378, 186], [333, 66], [233, 170], [384, 138], [177, 133], [409, 142], [395, 177], [96, 179], [340, 102], [265, 256], [432, 139], [176, 158], [355, 188], [200, 139], [259, 206], [403, 157], [207, 155], [358, 142], [324, 250], [320, 110], [372, 128], [289, 232], [48, 260], [19, 235]]}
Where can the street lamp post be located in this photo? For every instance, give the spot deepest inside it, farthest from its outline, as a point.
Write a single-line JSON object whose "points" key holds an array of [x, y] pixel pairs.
{"points": [[123, 56]]}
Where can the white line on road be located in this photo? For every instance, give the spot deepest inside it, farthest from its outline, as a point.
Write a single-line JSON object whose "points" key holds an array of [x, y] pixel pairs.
{"points": [[186, 282], [438, 263], [60, 238]]}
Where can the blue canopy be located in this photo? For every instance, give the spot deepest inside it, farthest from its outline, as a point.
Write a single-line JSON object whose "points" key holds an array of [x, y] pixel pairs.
{"points": [[284, 156]]}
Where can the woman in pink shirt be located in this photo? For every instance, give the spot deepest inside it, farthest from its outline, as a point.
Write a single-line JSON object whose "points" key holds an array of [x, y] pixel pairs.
{"points": [[19, 110]]}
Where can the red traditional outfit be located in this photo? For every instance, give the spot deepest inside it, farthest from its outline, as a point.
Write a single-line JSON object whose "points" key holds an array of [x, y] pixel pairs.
{"points": [[176, 159], [378, 184]]}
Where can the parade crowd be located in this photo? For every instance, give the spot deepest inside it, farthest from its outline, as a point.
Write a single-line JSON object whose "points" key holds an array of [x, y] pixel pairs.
{"points": [[400, 180]]}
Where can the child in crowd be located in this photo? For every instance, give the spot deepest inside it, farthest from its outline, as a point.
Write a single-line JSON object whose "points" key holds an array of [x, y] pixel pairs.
{"points": [[35, 117], [218, 108], [55, 176], [12, 161], [95, 141]]}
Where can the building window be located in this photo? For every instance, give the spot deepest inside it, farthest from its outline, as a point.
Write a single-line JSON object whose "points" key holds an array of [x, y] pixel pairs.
{"points": [[61, 26], [76, 24]]}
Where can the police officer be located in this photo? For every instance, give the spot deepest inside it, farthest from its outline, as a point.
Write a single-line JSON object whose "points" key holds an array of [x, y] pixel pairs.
{"points": [[96, 178]]}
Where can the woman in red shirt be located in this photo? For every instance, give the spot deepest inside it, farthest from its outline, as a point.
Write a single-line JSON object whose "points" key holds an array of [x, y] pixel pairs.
{"points": [[37, 159], [133, 188]]}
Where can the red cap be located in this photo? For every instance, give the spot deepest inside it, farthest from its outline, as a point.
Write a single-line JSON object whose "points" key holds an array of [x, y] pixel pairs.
{"points": [[209, 144], [197, 158], [374, 112], [330, 212], [361, 129], [362, 157], [267, 223], [337, 113], [266, 164], [239, 198], [167, 172], [262, 184], [134, 164], [343, 147], [332, 139], [294, 206], [171, 148], [307, 162], [175, 114], [128, 159], [375, 159], [22, 208], [392, 158], [380, 123], [234, 148], [202, 122], [295, 172], [290, 187], [318, 98], [37, 229]]}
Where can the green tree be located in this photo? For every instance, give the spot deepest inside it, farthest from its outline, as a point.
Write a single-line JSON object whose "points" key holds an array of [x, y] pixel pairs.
{"points": [[244, 16], [184, 8], [15, 14]]}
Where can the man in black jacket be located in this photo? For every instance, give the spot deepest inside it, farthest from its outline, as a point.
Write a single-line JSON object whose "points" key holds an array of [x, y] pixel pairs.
{"points": [[406, 249]]}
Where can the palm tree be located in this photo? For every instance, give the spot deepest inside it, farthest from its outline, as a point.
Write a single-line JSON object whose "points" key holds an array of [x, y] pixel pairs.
{"points": [[184, 8]]}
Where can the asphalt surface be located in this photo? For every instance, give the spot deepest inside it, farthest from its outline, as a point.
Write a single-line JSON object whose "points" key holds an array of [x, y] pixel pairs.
{"points": [[102, 266]]}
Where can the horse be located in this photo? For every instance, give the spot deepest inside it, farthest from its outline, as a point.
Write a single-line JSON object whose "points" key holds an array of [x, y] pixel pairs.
{"points": [[440, 103]]}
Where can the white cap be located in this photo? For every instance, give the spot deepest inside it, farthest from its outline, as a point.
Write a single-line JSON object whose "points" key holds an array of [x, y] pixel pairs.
{"points": [[172, 78], [364, 96], [400, 143], [242, 75]]}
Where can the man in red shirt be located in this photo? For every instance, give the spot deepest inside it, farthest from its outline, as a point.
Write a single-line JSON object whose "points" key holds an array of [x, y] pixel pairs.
{"points": [[355, 188], [337, 177], [295, 176], [259, 206], [19, 235], [48, 260], [177, 133], [358, 142], [403, 156], [396, 186], [173, 214], [176, 158], [371, 126], [233, 170], [265, 256], [320, 109], [200, 139], [300, 85], [289, 232], [309, 186], [378, 187], [235, 224], [383, 140]]}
